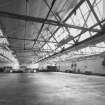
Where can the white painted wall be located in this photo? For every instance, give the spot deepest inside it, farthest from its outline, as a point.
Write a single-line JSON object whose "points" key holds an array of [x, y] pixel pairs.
{"points": [[93, 64]]}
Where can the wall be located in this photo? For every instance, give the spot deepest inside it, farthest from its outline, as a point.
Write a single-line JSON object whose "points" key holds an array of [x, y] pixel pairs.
{"points": [[93, 64]]}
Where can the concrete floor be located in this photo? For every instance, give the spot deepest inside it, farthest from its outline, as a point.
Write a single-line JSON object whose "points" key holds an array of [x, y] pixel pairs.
{"points": [[51, 89]]}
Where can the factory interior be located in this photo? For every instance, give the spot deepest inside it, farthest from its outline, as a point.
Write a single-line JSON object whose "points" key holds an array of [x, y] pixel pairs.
{"points": [[52, 52]]}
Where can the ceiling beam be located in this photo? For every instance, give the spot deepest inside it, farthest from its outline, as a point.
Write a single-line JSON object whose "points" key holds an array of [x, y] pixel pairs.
{"points": [[16, 49], [6, 58], [42, 20], [99, 37], [15, 38], [69, 15], [41, 28]]}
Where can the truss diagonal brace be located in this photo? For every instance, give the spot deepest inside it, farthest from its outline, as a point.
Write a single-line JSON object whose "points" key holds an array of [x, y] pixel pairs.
{"points": [[99, 37]]}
